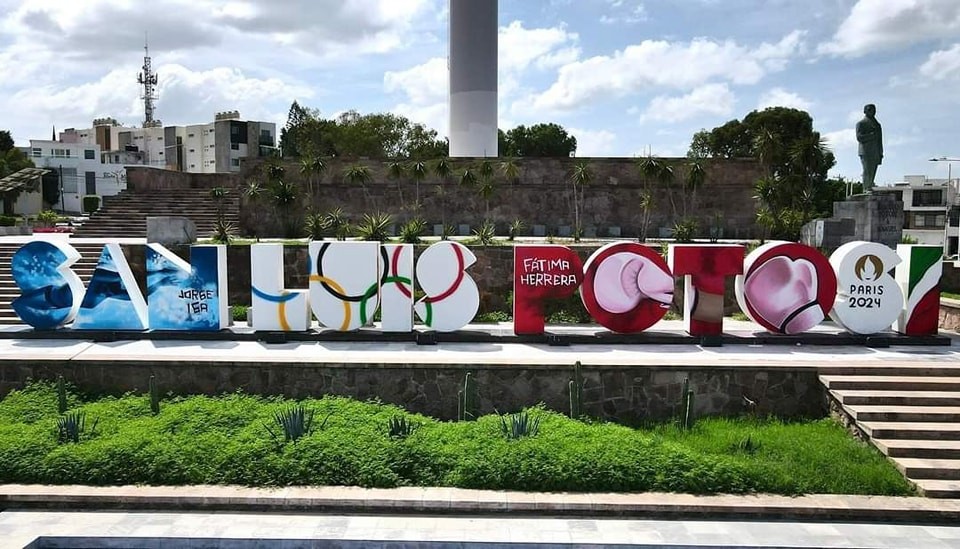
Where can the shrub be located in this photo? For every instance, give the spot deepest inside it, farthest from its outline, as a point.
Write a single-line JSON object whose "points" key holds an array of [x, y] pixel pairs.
{"points": [[685, 230], [8, 221], [47, 218], [485, 235], [516, 228], [91, 203], [375, 227], [519, 425], [412, 230], [223, 231], [239, 313], [316, 226]]}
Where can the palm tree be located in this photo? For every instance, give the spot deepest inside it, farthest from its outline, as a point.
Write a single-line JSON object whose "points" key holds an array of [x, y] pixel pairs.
{"points": [[666, 177], [284, 196], [358, 174], [396, 170], [442, 169], [468, 178], [312, 168], [486, 190], [696, 177], [646, 206], [253, 191], [510, 169], [581, 176], [276, 171], [767, 145], [418, 172]]}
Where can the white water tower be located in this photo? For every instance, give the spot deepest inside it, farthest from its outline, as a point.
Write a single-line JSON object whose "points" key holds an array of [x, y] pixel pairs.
{"points": [[473, 78]]}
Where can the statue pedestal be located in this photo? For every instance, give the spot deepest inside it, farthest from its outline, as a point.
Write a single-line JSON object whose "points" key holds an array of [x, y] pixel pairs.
{"points": [[869, 217]]}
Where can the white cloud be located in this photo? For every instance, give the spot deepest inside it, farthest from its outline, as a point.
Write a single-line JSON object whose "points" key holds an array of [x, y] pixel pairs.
{"points": [[521, 50], [841, 139], [594, 142], [943, 64], [713, 99], [653, 63], [624, 14], [186, 97], [779, 97], [875, 25]]}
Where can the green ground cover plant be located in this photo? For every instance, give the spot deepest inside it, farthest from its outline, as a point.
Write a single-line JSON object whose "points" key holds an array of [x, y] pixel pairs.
{"points": [[225, 440]]}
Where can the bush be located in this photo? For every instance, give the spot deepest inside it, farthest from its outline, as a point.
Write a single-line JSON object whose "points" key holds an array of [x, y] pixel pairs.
{"points": [[375, 227], [239, 313], [47, 218], [205, 440], [91, 203], [8, 221]]}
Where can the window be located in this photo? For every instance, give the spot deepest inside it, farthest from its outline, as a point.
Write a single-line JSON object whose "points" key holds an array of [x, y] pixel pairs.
{"points": [[235, 162], [189, 135], [160, 153], [193, 165], [159, 139], [37, 152], [193, 150], [89, 154], [930, 221], [235, 146], [60, 153], [928, 198], [116, 159]]}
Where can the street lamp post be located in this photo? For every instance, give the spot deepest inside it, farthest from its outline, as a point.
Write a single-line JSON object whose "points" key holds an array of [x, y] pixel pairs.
{"points": [[951, 203]]}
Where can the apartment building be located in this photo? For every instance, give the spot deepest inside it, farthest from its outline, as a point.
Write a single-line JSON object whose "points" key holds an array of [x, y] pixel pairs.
{"points": [[931, 210]]}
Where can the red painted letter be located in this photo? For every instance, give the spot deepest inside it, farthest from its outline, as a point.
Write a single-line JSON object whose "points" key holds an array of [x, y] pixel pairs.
{"points": [[704, 268]]}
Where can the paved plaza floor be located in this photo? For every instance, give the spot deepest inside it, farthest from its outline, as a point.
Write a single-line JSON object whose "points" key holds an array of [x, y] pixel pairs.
{"points": [[21, 528]]}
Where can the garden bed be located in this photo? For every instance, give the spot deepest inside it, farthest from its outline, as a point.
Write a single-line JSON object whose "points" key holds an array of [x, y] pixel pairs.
{"points": [[225, 440]]}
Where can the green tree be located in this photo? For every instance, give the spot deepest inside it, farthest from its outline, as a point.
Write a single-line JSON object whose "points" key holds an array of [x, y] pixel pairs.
{"points": [[794, 158], [580, 177], [539, 140]]}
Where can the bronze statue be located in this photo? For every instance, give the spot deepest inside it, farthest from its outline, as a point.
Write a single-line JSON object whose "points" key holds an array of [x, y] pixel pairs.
{"points": [[870, 137]]}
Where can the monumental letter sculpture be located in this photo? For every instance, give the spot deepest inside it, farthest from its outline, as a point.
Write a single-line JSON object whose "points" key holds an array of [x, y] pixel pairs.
{"points": [[870, 138]]}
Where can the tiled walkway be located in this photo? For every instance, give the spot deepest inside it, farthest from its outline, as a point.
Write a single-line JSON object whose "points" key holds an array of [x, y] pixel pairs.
{"points": [[18, 529]]}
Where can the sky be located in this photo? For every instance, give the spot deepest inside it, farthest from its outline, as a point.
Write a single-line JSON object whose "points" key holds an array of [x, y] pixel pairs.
{"points": [[626, 77]]}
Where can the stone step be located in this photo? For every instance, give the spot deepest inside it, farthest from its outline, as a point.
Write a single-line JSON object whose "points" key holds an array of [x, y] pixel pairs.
{"points": [[899, 398], [932, 469], [939, 488], [891, 383], [925, 449], [934, 414], [911, 430], [943, 368]]}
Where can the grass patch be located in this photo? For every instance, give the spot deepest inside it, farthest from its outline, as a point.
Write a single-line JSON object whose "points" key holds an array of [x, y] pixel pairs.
{"points": [[224, 440], [950, 295]]}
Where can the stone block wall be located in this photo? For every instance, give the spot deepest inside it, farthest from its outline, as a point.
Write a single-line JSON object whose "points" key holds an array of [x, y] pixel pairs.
{"points": [[631, 395], [542, 195]]}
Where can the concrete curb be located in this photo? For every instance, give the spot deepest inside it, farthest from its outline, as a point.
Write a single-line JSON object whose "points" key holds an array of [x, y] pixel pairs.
{"points": [[442, 501]]}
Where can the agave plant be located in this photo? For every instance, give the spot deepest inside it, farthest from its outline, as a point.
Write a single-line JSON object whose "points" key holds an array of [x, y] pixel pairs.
{"points": [[486, 234], [223, 231], [412, 230], [375, 227], [73, 426], [316, 226], [519, 425], [516, 228], [399, 427], [294, 423]]}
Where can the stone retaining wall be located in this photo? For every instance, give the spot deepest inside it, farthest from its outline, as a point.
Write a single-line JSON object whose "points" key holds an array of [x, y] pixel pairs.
{"points": [[631, 395]]}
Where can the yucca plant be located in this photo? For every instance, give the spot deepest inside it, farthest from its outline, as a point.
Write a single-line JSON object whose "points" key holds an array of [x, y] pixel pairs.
{"points": [[412, 230], [516, 228], [399, 427], [375, 227], [154, 396], [294, 423], [486, 234], [73, 426], [519, 425], [448, 231], [223, 231], [316, 225]]}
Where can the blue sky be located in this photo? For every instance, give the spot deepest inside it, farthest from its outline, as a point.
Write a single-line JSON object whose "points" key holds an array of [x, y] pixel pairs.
{"points": [[624, 76]]}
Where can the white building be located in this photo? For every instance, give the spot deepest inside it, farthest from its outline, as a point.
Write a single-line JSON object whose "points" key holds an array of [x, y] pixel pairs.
{"points": [[216, 147], [79, 170], [928, 206]]}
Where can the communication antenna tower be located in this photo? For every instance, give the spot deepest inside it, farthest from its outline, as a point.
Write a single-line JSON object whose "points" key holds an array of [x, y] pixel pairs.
{"points": [[148, 79]]}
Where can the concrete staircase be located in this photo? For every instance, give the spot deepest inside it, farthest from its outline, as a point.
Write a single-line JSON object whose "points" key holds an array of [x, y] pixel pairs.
{"points": [[125, 215], [90, 254], [911, 413]]}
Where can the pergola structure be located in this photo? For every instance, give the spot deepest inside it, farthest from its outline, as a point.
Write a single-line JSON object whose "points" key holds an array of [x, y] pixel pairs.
{"points": [[27, 179]]}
